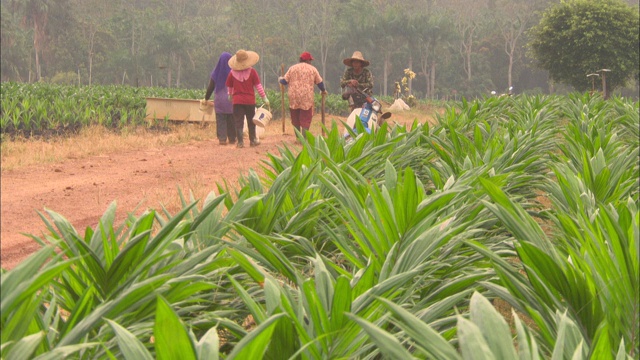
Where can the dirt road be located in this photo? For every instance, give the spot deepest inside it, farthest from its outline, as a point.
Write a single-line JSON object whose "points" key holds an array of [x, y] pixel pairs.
{"points": [[81, 190]]}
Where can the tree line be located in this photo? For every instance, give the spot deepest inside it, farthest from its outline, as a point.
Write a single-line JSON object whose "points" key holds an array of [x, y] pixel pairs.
{"points": [[455, 47]]}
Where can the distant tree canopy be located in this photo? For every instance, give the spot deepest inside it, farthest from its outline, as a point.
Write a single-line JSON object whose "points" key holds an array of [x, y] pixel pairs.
{"points": [[456, 47], [578, 37]]}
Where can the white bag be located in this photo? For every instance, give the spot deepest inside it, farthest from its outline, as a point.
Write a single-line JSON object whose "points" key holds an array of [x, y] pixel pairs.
{"points": [[259, 130]]}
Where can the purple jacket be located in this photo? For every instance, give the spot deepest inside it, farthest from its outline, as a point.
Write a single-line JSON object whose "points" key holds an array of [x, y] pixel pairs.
{"points": [[219, 75]]}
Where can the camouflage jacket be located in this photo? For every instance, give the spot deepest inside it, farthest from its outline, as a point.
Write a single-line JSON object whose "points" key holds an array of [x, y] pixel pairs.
{"points": [[365, 79]]}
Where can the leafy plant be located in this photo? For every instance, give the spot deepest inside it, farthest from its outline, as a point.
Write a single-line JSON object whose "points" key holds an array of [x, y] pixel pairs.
{"points": [[392, 244]]}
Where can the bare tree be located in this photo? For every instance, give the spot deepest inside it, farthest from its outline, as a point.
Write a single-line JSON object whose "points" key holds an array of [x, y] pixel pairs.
{"points": [[327, 30], [391, 34], [469, 17], [429, 33], [512, 19], [36, 16], [92, 17]]}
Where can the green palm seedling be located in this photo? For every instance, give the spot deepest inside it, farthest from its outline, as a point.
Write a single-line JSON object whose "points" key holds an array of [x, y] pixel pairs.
{"points": [[484, 334], [274, 207], [68, 118], [585, 108], [10, 105], [87, 116], [586, 271], [16, 119], [589, 136], [397, 229], [601, 128], [301, 205], [212, 222], [605, 165], [407, 245], [627, 117], [297, 207], [57, 113], [514, 154], [376, 218], [363, 152], [315, 322], [605, 246], [115, 271], [27, 114], [601, 181], [5, 122], [40, 116], [171, 339], [28, 310], [459, 115]]}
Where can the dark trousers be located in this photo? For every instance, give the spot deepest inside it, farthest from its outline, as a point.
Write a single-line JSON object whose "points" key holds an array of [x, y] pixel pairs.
{"points": [[301, 119], [239, 113], [225, 127]]}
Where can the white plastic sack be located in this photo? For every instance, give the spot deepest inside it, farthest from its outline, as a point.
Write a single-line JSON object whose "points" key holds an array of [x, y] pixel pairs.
{"points": [[259, 130], [398, 105]]}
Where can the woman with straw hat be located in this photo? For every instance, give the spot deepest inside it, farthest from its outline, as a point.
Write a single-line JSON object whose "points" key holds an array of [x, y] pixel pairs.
{"points": [[241, 82], [356, 76]]}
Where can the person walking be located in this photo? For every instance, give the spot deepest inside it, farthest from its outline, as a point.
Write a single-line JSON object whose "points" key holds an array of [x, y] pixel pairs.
{"points": [[356, 76], [225, 127], [301, 78], [242, 80]]}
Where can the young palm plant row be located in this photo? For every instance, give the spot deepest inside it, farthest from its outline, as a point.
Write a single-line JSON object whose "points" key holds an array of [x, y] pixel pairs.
{"points": [[392, 245], [44, 108]]}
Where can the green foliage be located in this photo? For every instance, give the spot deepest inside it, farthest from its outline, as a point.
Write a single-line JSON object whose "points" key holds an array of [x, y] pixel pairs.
{"points": [[579, 37], [66, 78], [45, 108], [485, 335], [387, 245], [171, 339], [172, 44], [334, 104]]}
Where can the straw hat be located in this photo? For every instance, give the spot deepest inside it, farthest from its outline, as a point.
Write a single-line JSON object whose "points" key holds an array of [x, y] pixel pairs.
{"points": [[243, 59], [357, 55]]}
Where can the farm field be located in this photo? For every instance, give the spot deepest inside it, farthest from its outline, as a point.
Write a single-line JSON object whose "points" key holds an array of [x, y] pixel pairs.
{"points": [[80, 176], [396, 244]]}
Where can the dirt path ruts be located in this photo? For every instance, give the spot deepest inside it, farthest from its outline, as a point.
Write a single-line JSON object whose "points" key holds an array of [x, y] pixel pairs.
{"points": [[81, 190]]}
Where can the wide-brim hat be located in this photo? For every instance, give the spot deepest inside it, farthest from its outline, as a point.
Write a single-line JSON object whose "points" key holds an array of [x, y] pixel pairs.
{"points": [[357, 55], [243, 59]]}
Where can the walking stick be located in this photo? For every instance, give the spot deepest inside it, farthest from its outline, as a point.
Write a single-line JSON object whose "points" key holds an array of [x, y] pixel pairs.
{"points": [[282, 97], [323, 95]]}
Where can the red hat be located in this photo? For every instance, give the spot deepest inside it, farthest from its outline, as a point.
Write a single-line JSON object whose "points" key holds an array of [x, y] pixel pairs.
{"points": [[306, 56]]}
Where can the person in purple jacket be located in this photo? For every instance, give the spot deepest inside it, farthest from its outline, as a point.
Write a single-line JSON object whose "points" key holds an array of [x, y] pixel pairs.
{"points": [[225, 127]]}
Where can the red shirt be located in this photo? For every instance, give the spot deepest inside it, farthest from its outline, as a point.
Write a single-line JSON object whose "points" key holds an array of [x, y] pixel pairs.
{"points": [[242, 91]]}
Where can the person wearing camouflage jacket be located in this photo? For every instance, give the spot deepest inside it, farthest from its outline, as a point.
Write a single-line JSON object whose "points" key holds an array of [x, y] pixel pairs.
{"points": [[356, 76]]}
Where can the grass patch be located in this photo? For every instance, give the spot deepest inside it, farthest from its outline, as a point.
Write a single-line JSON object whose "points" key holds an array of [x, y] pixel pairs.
{"points": [[96, 141]]}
